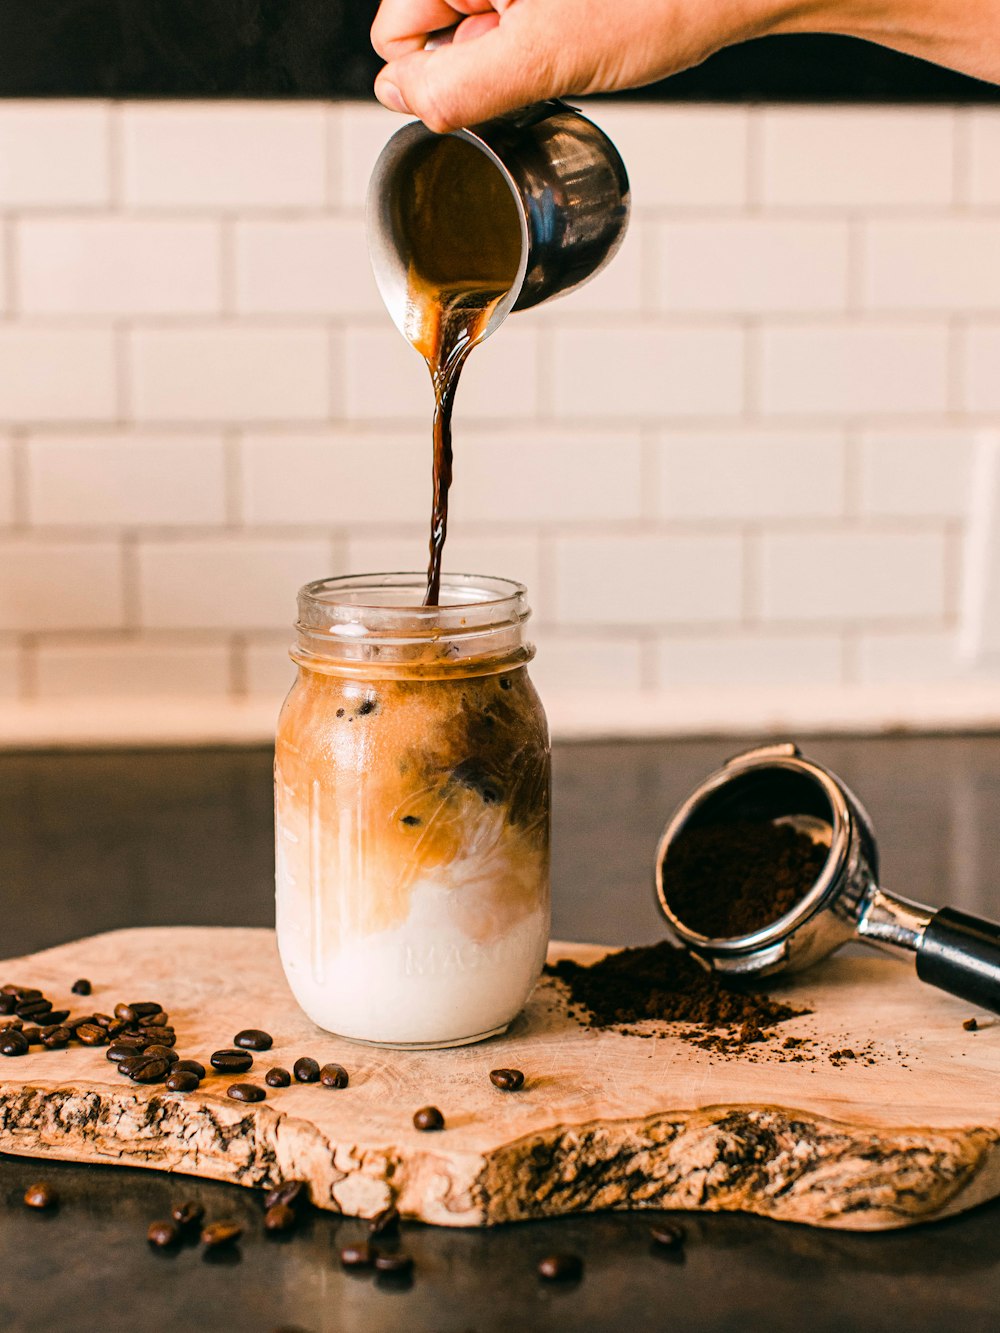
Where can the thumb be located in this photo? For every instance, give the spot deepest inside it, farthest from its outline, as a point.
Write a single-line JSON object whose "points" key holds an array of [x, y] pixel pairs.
{"points": [[468, 81]]}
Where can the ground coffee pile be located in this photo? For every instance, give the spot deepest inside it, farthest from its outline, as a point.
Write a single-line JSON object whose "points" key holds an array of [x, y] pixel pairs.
{"points": [[661, 982], [732, 880]]}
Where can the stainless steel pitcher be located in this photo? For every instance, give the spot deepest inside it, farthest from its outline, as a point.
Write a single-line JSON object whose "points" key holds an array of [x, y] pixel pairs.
{"points": [[571, 191]]}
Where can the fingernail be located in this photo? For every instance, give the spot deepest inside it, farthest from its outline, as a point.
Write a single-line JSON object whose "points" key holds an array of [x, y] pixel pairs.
{"points": [[390, 96]]}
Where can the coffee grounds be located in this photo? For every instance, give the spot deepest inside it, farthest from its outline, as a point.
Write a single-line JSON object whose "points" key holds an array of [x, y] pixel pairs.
{"points": [[735, 879], [664, 983]]}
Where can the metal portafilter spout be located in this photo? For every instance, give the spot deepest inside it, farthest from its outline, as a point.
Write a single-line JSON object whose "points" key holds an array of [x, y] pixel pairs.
{"points": [[777, 784]]}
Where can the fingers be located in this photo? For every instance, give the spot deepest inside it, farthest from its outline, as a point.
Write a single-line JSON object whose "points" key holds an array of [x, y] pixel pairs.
{"points": [[476, 26], [402, 26], [468, 81]]}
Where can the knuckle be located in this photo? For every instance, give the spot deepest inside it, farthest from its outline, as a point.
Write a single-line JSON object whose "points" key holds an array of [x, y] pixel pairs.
{"points": [[434, 102]]}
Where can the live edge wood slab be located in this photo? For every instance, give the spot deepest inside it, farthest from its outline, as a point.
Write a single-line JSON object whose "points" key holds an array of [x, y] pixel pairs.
{"points": [[905, 1131]]}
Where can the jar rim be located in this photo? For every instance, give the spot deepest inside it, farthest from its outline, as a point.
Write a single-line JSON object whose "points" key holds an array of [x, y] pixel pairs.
{"points": [[382, 615], [346, 595]]}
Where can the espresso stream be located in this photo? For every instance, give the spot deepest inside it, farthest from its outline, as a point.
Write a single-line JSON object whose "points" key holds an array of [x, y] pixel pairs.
{"points": [[458, 223]]}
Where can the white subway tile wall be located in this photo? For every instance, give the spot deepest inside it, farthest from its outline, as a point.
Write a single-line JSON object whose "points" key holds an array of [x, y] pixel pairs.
{"points": [[52, 584], [6, 483], [131, 670], [741, 457], [117, 266]]}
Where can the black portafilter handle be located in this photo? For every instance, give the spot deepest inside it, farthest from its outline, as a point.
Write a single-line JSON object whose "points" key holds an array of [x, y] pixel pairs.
{"points": [[960, 953]]}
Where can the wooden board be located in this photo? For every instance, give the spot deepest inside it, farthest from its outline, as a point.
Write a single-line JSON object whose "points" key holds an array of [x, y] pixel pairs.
{"points": [[906, 1133]]}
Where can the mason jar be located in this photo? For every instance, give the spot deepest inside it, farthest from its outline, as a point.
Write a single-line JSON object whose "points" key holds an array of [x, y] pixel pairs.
{"points": [[412, 781]]}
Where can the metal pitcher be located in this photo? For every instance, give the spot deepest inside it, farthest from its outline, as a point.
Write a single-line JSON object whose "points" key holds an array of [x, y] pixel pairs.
{"points": [[568, 182]]}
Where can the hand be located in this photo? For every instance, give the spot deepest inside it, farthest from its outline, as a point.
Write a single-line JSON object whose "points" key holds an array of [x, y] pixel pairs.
{"points": [[507, 53]]}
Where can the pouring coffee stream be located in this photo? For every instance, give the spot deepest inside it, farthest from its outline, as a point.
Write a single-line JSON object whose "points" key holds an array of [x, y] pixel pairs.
{"points": [[465, 227], [458, 223]]}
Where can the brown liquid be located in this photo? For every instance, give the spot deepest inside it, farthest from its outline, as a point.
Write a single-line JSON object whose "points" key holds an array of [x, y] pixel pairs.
{"points": [[457, 220]]}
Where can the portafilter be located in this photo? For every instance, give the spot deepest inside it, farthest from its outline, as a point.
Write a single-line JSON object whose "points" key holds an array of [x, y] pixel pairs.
{"points": [[954, 950]]}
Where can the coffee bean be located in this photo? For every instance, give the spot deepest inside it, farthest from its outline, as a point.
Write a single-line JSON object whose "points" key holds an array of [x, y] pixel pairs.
{"points": [[13, 1042], [162, 1036], [393, 1263], [385, 1223], [333, 1076], [103, 1020], [129, 1062], [32, 1036], [123, 1048], [507, 1080], [428, 1118], [279, 1217], [187, 1214], [160, 1020], [231, 1061], [561, 1268], [253, 1039], [151, 1071], [142, 1069], [277, 1077], [115, 1029], [8, 1003], [189, 1067], [162, 1053], [137, 1010], [81, 987], [221, 1233], [33, 1009], [22, 992], [41, 1195], [163, 1235], [181, 1080], [294, 1193], [245, 1092], [305, 1069], [357, 1256], [56, 1016], [56, 1038], [90, 1034], [667, 1235]]}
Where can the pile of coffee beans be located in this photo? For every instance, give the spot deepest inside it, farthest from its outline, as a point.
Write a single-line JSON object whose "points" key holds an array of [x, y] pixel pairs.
{"points": [[140, 1040]]}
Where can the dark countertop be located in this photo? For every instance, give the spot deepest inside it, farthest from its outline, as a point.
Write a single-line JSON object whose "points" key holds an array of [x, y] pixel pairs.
{"points": [[91, 841]]}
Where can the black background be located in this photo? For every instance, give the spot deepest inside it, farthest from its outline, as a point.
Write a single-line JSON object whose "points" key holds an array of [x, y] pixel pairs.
{"points": [[320, 48]]}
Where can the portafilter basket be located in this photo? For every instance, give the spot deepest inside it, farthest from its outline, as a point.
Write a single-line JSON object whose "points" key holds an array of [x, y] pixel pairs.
{"points": [[955, 951]]}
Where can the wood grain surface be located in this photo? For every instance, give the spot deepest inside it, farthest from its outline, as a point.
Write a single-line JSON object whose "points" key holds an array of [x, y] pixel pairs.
{"points": [[905, 1131]]}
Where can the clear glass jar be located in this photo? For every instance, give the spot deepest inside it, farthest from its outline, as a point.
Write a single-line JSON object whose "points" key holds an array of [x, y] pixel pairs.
{"points": [[412, 783]]}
